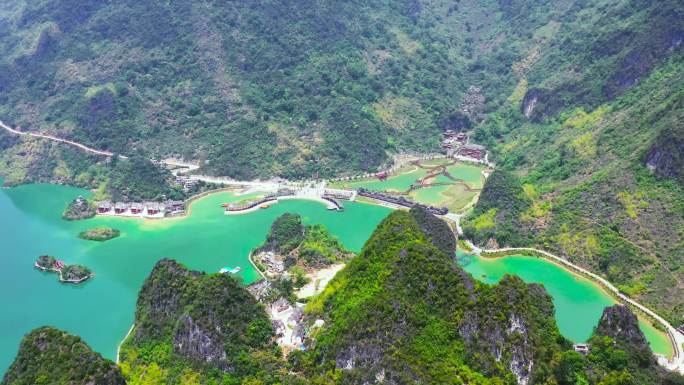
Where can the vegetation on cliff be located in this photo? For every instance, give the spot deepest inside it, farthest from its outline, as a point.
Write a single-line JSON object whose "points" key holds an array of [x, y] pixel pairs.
{"points": [[582, 101], [497, 215], [401, 312], [99, 234], [50, 356], [286, 233], [191, 326], [404, 311], [600, 186], [619, 354]]}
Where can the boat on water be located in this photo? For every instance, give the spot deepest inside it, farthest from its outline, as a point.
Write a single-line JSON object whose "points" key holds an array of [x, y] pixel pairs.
{"points": [[230, 270], [224, 204], [264, 206]]}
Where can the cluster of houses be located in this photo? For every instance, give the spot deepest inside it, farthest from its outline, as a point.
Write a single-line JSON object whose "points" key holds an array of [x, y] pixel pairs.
{"points": [[145, 209], [186, 182], [453, 139], [456, 144], [474, 151], [274, 264]]}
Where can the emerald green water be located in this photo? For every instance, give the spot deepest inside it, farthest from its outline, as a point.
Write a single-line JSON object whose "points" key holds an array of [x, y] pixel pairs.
{"points": [[101, 310], [579, 303]]}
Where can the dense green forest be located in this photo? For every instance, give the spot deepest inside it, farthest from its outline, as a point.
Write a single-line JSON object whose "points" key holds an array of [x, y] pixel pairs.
{"points": [[601, 185], [292, 88], [581, 104], [193, 328]]}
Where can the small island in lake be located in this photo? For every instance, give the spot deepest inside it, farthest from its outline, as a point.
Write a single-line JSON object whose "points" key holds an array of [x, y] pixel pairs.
{"points": [[67, 273], [99, 234], [79, 208]]}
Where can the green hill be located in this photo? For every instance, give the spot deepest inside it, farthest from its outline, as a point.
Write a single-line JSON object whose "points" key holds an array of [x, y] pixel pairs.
{"points": [[292, 88], [50, 356], [191, 326], [602, 186]]}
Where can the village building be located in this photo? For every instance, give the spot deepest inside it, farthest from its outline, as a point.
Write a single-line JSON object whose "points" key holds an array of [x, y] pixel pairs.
{"points": [[186, 182], [474, 151], [104, 207], [174, 207], [274, 265], [121, 208], [153, 208], [581, 348], [461, 138], [136, 208]]}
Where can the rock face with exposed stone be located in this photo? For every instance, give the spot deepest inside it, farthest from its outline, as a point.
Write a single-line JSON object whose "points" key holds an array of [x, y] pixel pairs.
{"points": [[205, 320], [620, 324], [666, 155], [506, 331]]}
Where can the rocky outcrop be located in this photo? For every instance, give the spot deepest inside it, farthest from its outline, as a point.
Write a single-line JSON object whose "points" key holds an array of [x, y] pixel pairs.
{"points": [[51, 356], [621, 325], [193, 339], [203, 320], [530, 101], [436, 230], [666, 155], [503, 329]]}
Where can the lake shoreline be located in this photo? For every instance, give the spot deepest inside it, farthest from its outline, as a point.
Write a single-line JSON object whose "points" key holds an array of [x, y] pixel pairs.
{"points": [[657, 325]]}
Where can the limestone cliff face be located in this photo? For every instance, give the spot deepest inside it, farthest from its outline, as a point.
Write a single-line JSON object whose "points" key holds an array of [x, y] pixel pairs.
{"points": [[209, 321], [51, 356], [666, 155]]}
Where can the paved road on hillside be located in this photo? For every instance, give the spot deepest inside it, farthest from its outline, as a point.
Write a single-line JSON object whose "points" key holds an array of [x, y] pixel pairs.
{"points": [[168, 162], [56, 139]]}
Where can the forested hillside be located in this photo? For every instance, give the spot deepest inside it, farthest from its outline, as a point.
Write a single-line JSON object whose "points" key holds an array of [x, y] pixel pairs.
{"points": [[592, 145], [291, 88], [51, 356]]}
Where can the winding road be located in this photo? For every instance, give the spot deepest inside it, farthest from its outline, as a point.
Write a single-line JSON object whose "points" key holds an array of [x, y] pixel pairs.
{"points": [[56, 139], [168, 162]]}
